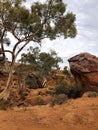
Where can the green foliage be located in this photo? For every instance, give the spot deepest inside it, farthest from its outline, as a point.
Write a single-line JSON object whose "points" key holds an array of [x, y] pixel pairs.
{"points": [[62, 88], [1, 60], [1, 64], [4, 105], [59, 99], [72, 91], [92, 94], [66, 73], [33, 82], [48, 61], [39, 101], [31, 57], [34, 24], [24, 23], [41, 63], [75, 91]]}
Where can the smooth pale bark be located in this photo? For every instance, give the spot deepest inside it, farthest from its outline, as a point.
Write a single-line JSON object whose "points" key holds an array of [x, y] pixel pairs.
{"points": [[6, 92], [21, 83], [45, 81]]}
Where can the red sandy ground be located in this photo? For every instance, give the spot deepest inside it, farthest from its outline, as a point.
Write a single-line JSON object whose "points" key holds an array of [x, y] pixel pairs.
{"points": [[78, 114]]}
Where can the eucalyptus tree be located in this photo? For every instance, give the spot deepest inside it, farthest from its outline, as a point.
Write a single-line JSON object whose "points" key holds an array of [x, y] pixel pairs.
{"points": [[42, 20], [48, 62], [28, 68], [40, 64]]}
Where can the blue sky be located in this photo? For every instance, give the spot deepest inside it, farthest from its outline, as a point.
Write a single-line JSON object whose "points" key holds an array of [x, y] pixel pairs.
{"points": [[87, 26]]}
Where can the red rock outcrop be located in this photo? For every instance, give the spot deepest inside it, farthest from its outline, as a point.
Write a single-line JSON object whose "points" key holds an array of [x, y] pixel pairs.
{"points": [[84, 67]]}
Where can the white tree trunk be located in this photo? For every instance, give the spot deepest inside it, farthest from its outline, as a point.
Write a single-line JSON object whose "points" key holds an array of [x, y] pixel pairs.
{"points": [[6, 92], [45, 81]]}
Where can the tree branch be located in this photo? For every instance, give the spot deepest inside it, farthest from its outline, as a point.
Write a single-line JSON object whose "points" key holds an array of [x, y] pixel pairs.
{"points": [[21, 48], [25, 39], [2, 46], [13, 32]]}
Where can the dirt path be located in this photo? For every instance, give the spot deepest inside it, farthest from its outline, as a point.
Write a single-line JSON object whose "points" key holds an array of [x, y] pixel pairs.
{"points": [[79, 114]]}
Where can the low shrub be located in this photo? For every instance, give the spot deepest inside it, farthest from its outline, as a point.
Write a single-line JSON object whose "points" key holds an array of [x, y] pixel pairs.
{"points": [[39, 101], [92, 94], [59, 99], [73, 91], [33, 83], [62, 88], [50, 92], [4, 105]]}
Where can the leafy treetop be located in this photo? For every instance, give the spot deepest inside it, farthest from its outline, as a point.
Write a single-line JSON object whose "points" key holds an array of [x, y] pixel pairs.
{"points": [[47, 20], [43, 20]]}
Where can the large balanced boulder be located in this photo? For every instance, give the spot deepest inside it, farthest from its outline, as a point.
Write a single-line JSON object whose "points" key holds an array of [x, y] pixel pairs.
{"points": [[84, 68]]}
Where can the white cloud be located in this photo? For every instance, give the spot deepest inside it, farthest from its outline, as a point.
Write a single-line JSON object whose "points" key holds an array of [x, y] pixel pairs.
{"points": [[87, 25]]}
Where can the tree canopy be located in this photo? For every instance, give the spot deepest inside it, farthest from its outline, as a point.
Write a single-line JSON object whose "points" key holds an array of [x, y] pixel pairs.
{"points": [[47, 20], [41, 64], [42, 20]]}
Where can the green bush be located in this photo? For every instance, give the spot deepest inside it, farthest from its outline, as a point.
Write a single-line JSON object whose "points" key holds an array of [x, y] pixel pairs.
{"points": [[92, 94], [62, 88], [33, 82], [73, 91], [39, 101], [59, 99], [4, 105]]}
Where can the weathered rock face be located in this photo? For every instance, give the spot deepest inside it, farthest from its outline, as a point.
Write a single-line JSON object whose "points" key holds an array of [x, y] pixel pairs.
{"points": [[84, 67]]}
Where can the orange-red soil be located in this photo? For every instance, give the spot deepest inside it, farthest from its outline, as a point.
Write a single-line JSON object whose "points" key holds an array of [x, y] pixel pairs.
{"points": [[78, 114]]}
